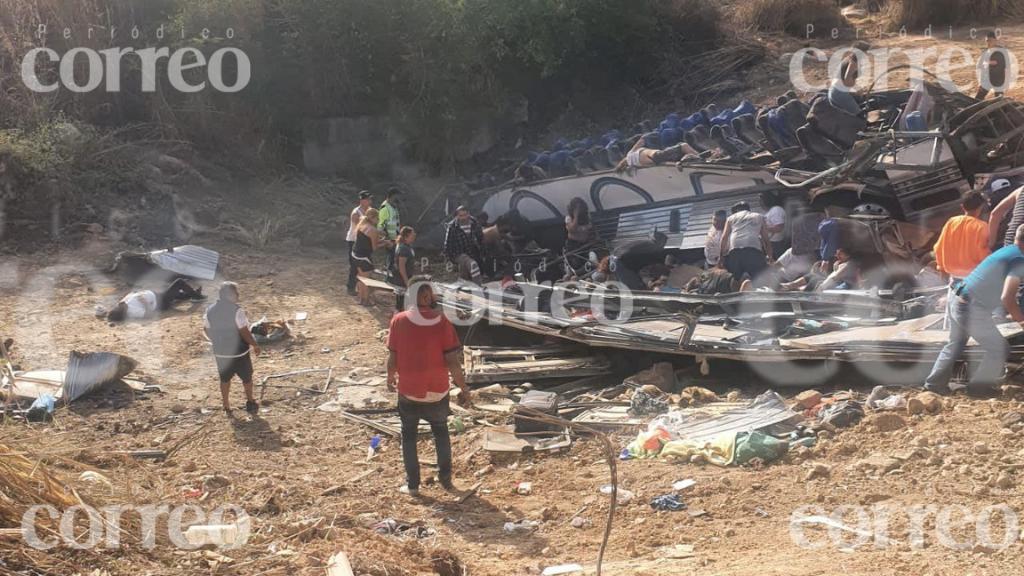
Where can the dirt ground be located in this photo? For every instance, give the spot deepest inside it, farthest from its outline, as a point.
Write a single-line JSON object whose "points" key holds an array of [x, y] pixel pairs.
{"points": [[279, 463]]}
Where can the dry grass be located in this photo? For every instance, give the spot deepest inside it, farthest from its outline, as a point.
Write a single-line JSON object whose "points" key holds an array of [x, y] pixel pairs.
{"points": [[263, 232], [788, 16], [918, 14]]}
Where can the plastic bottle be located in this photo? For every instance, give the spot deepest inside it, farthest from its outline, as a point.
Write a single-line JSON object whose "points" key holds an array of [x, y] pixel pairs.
{"points": [[622, 495]]}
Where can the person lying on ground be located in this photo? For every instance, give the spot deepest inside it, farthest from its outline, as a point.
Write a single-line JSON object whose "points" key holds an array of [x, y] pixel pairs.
{"points": [[641, 156], [845, 274], [992, 284], [227, 327], [717, 281], [629, 258], [791, 266], [144, 304], [423, 350]]}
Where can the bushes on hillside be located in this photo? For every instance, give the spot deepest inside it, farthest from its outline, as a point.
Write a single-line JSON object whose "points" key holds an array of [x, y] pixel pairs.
{"points": [[789, 16], [432, 64]]}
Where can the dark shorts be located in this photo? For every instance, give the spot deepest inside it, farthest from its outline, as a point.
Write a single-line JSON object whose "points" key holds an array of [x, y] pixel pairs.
{"points": [[362, 265], [746, 261], [228, 368]]}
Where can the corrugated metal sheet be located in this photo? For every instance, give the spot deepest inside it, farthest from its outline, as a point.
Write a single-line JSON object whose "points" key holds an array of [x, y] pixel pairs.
{"points": [[191, 261], [87, 372], [686, 224], [766, 410]]}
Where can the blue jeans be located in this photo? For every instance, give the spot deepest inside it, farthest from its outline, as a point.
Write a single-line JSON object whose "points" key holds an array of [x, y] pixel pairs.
{"points": [[968, 321], [628, 277]]}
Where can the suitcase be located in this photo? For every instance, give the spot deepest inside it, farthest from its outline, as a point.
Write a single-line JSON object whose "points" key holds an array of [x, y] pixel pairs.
{"points": [[546, 402]]}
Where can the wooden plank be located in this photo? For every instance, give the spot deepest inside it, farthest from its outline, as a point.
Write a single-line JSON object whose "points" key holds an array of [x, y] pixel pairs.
{"points": [[900, 332], [372, 424], [378, 285]]}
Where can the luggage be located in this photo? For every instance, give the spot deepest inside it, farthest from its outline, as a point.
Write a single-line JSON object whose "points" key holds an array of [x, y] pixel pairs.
{"points": [[546, 402]]}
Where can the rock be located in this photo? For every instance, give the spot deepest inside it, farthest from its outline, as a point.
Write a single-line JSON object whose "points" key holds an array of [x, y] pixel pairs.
{"points": [[1004, 482], [824, 434], [877, 462], [808, 399], [920, 442], [924, 403], [935, 461], [910, 453], [818, 470], [178, 408], [733, 396], [981, 448], [94, 228], [1006, 433], [730, 532], [982, 549], [1011, 390], [887, 422], [1011, 418], [662, 375]]}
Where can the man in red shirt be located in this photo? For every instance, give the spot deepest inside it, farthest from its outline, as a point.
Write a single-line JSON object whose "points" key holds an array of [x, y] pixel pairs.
{"points": [[424, 350]]}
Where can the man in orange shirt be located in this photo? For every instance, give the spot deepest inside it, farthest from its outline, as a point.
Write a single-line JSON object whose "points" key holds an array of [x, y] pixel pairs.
{"points": [[963, 243]]}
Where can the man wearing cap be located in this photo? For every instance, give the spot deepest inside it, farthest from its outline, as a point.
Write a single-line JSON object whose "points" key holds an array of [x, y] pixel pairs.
{"points": [[992, 284], [357, 214], [993, 60], [963, 243]]}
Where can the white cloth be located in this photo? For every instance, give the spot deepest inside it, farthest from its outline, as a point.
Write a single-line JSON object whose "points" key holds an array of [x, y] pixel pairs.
{"points": [[633, 158], [776, 216], [795, 265], [713, 245], [241, 321], [140, 304], [353, 223], [745, 230]]}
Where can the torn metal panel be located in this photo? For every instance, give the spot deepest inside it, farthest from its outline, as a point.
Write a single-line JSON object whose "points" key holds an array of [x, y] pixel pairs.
{"points": [[504, 364], [504, 439], [188, 261], [766, 410], [89, 371]]}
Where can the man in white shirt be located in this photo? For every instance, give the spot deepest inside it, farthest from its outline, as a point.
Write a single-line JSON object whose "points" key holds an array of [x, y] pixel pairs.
{"points": [[775, 220], [365, 199], [713, 243], [144, 304], [792, 266], [745, 245], [227, 328]]}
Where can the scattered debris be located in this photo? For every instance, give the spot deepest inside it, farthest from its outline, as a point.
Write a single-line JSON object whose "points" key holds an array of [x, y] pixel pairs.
{"points": [[668, 502], [188, 261]]}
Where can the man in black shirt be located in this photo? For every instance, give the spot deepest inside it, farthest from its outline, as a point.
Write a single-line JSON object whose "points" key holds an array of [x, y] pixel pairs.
{"points": [[993, 59], [631, 257]]}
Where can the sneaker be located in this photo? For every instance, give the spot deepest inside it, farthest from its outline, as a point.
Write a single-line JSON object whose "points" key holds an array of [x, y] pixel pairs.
{"points": [[410, 491], [252, 407]]}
